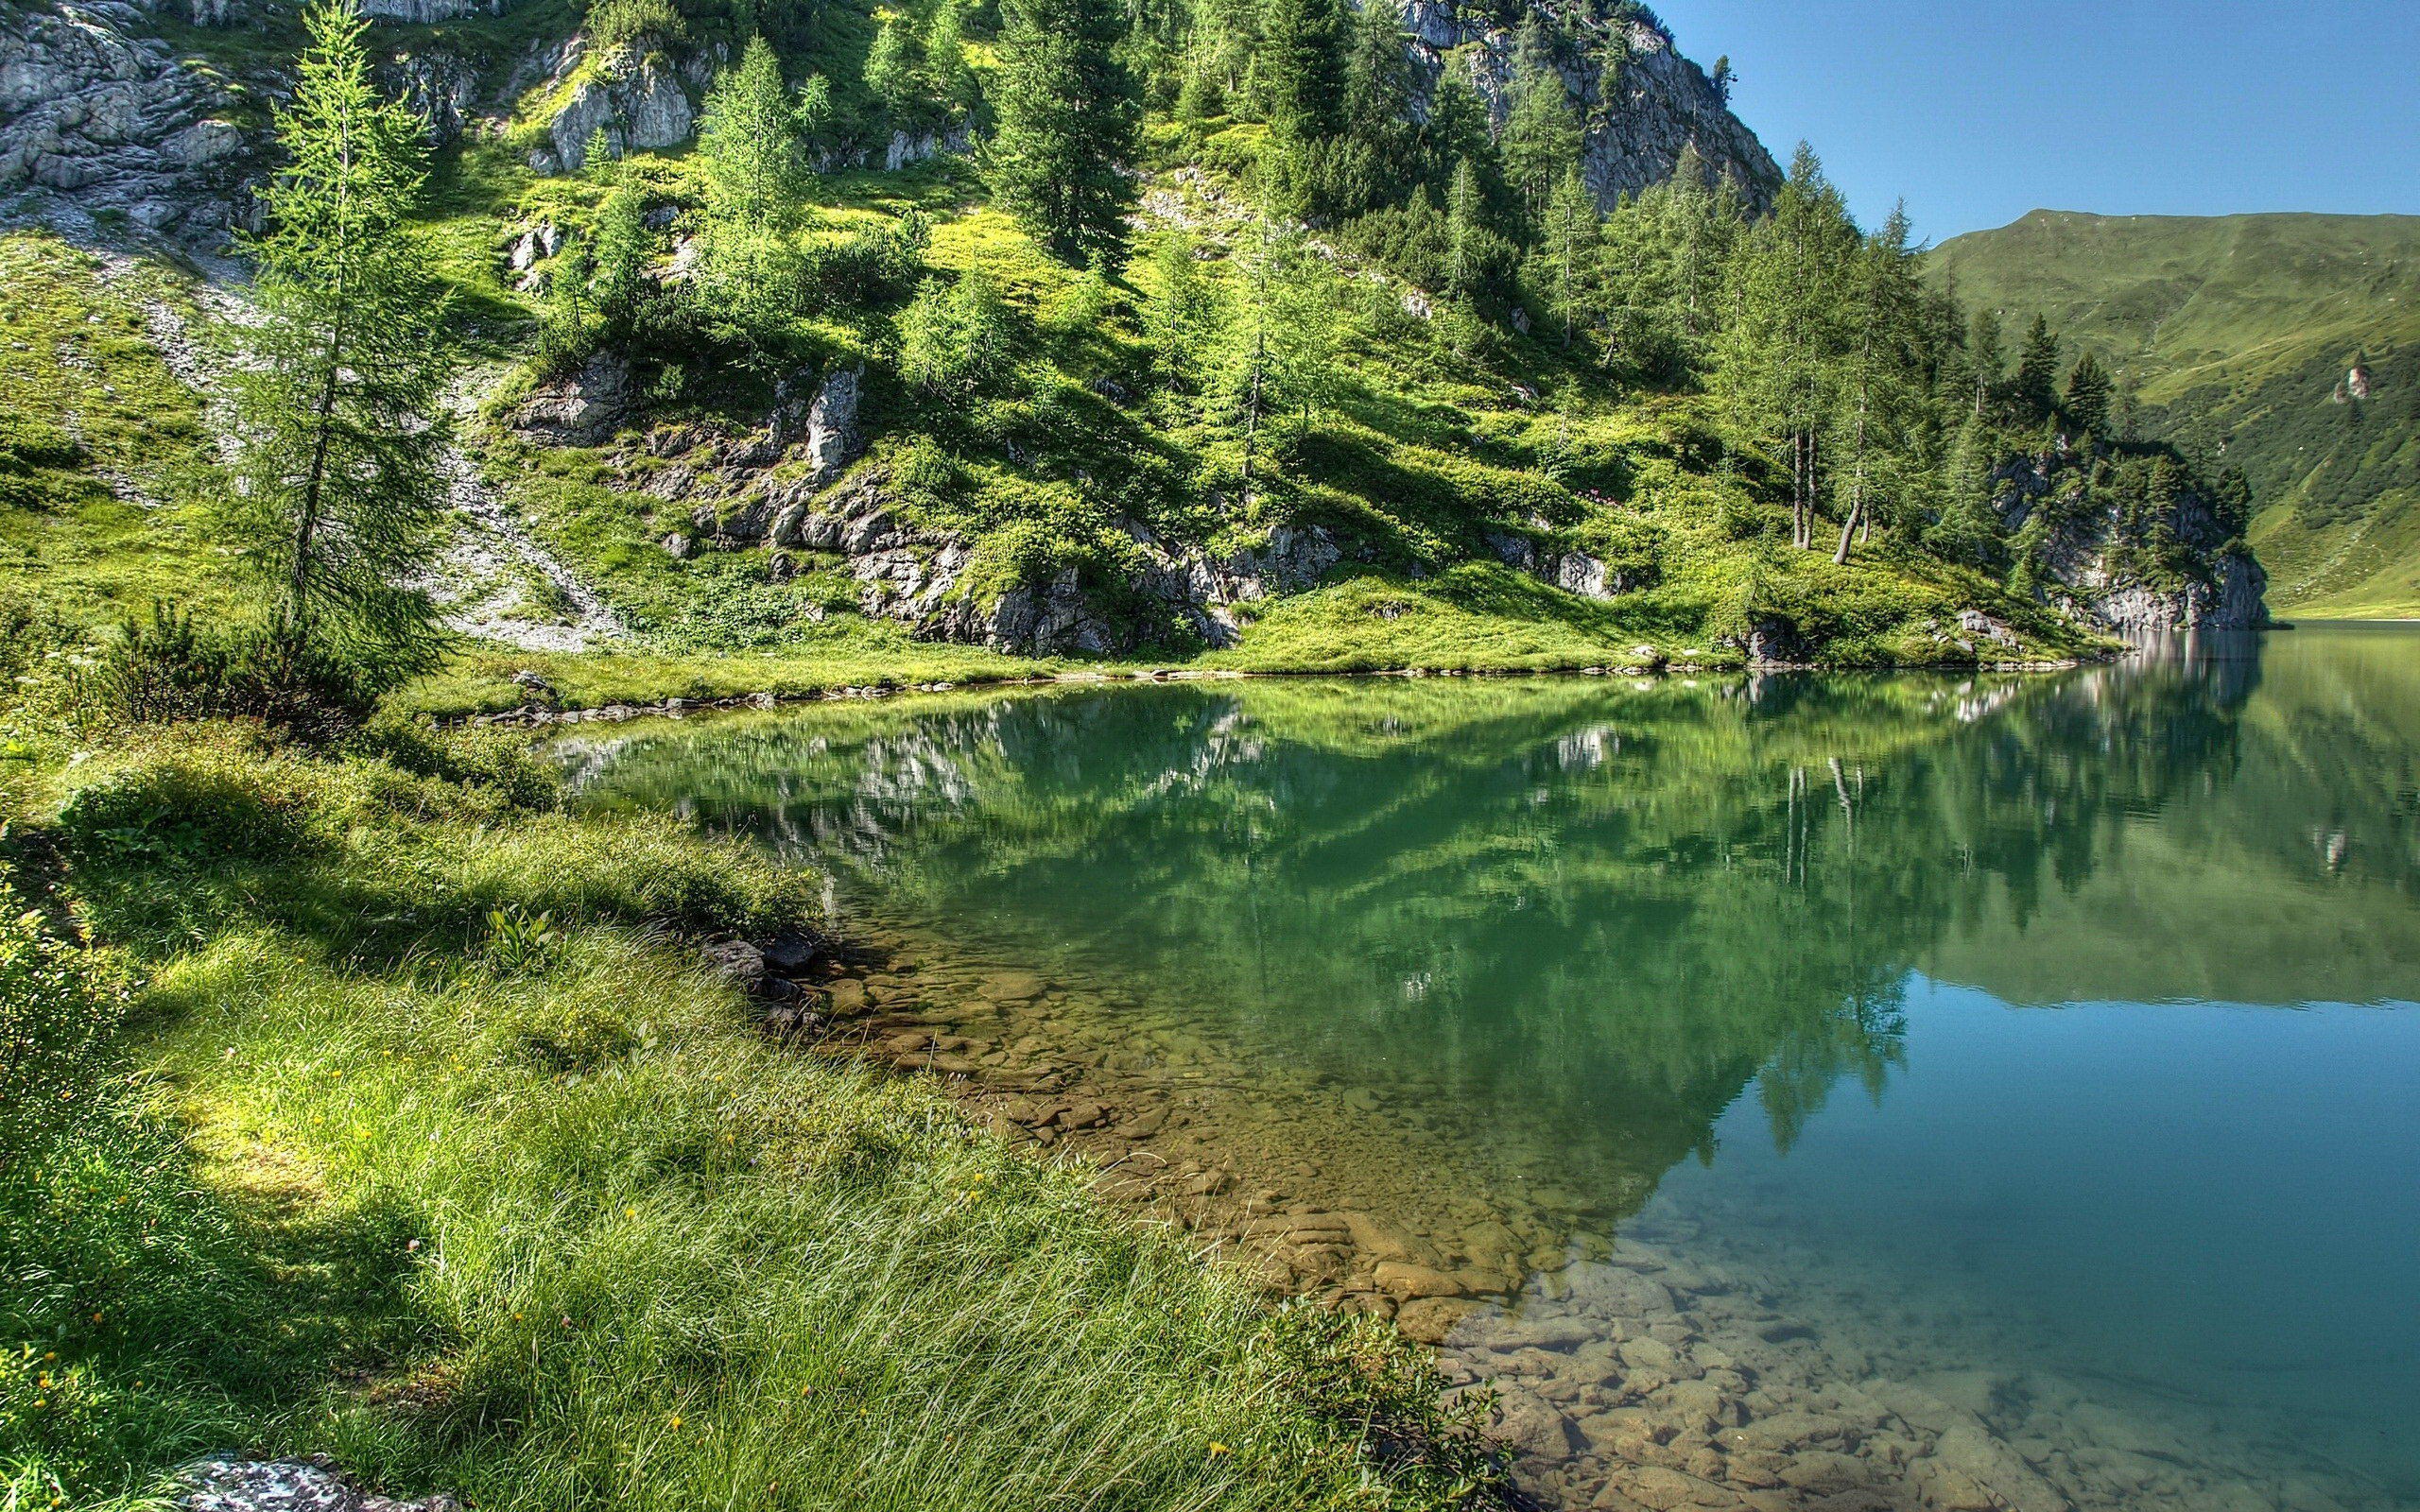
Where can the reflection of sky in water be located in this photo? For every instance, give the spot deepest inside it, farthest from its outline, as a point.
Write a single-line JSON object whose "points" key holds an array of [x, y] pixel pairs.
{"points": [[2206, 1201]]}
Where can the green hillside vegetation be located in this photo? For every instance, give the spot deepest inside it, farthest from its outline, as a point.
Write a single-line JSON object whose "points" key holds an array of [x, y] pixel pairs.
{"points": [[2237, 334]]}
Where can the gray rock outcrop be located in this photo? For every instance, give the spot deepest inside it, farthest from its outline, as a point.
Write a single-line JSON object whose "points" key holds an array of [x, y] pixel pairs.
{"points": [[635, 96], [440, 83], [1660, 105], [227, 1485], [2087, 577], [582, 410], [98, 116]]}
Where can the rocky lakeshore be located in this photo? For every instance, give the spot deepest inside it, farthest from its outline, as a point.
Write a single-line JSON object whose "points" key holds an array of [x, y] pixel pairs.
{"points": [[1674, 1366]]}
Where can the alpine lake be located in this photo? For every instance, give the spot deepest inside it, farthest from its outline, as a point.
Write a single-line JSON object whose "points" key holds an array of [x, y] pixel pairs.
{"points": [[1925, 1090]]}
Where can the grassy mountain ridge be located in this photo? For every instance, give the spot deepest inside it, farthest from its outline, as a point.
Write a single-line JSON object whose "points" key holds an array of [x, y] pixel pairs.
{"points": [[2236, 333]]}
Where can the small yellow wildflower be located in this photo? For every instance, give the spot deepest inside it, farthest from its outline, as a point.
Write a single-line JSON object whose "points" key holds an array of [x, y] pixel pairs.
{"points": [[676, 1419]]}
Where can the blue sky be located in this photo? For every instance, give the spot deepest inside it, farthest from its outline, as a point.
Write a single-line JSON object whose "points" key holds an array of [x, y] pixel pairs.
{"points": [[1979, 111]]}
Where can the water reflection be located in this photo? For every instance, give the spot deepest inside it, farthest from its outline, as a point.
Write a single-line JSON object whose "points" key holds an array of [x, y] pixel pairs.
{"points": [[1560, 934]]}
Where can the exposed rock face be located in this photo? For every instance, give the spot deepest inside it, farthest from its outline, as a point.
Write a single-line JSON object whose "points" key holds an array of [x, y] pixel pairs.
{"points": [[286, 1485], [904, 150], [1573, 570], [577, 411], [2223, 592], [438, 82], [429, 13], [636, 97], [94, 115], [1661, 102], [832, 438]]}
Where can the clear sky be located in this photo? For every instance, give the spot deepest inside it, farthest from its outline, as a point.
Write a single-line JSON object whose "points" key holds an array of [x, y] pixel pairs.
{"points": [[1976, 112]]}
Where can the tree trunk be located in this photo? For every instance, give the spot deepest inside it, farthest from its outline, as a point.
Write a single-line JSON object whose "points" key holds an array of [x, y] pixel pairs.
{"points": [[1251, 411]]}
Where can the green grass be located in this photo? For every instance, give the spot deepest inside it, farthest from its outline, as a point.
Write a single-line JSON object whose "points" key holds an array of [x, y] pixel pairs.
{"points": [[530, 1213], [2236, 330], [102, 516]]}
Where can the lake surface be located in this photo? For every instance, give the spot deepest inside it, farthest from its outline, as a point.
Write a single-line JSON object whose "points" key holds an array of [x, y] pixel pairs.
{"points": [[1918, 1090]]}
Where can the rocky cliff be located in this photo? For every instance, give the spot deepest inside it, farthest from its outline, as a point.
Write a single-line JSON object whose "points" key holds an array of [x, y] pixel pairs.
{"points": [[2098, 568], [1654, 105], [99, 118]]}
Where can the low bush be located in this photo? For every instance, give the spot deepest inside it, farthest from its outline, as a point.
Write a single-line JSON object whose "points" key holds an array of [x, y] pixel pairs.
{"points": [[173, 669]]}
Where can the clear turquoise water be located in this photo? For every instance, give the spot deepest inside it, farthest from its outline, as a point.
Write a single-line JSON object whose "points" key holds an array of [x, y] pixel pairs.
{"points": [[2059, 1030]]}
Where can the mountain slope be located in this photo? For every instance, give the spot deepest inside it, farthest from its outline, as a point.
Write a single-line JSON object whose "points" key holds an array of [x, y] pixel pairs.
{"points": [[2242, 336], [1471, 449]]}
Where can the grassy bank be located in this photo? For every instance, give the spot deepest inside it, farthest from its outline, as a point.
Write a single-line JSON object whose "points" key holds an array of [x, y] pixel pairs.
{"points": [[425, 1140]]}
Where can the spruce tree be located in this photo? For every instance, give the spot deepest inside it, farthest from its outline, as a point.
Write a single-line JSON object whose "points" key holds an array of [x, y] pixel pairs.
{"points": [[1067, 129], [2088, 397], [1378, 81], [2037, 371], [341, 407], [1299, 62]]}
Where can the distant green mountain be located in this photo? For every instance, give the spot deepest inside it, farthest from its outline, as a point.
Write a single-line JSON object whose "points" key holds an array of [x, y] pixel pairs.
{"points": [[2246, 332]]}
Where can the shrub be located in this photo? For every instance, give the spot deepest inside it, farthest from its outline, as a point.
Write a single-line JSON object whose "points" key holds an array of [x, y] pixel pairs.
{"points": [[174, 670], [616, 23]]}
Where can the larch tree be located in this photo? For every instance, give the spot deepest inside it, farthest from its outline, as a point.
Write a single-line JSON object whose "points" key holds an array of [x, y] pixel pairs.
{"points": [[1540, 132], [1879, 385], [1571, 250], [341, 407], [892, 74], [756, 180], [1986, 354], [1780, 360], [1067, 116], [1181, 314]]}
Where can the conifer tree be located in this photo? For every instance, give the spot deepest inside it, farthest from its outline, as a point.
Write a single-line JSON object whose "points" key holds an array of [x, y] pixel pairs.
{"points": [[1299, 59], [1986, 353], [1066, 130], [621, 246], [2088, 396], [1779, 363], [892, 69], [755, 177], [1465, 225], [2037, 369], [1571, 246], [341, 408], [1180, 314], [1541, 133], [1378, 81], [1878, 384], [1969, 527], [945, 59]]}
